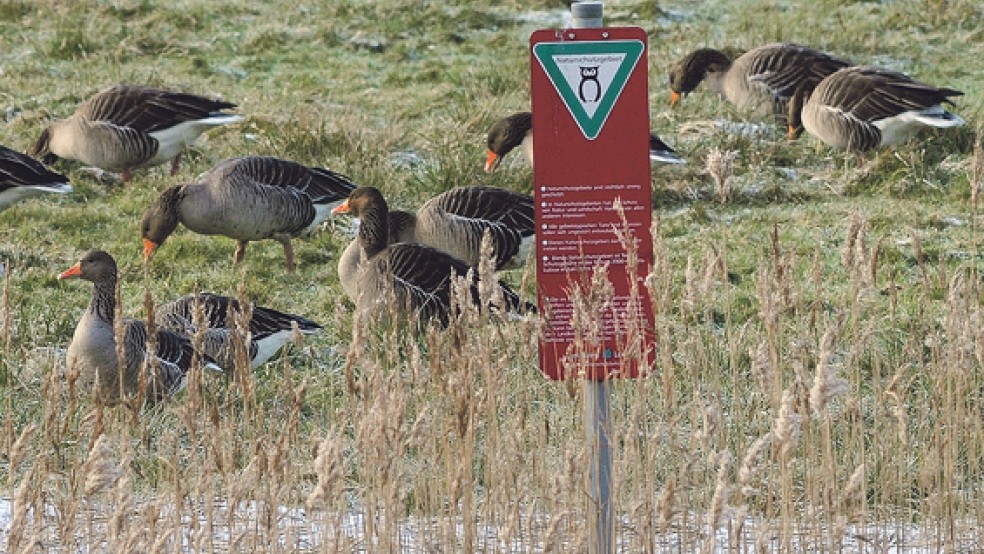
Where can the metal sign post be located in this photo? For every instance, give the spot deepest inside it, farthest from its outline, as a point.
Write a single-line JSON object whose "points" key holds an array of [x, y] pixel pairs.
{"points": [[590, 104]]}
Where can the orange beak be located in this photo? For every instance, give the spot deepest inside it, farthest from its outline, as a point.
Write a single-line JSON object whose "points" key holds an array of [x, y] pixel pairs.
{"points": [[149, 247], [74, 271], [342, 208], [491, 162], [674, 98], [794, 133]]}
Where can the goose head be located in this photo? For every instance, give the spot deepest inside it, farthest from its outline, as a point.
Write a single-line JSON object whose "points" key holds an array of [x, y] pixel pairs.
{"points": [[690, 70], [368, 204], [95, 266], [794, 117], [161, 219], [41, 149], [505, 135]]}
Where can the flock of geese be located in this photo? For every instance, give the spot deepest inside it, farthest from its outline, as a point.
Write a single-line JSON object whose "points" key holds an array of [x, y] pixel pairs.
{"points": [[409, 255]]}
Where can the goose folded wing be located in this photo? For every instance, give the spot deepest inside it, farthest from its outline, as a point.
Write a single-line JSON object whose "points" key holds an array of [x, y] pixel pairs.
{"points": [[267, 321], [173, 354], [148, 109], [16, 168], [423, 275], [783, 70], [321, 185], [493, 204]]}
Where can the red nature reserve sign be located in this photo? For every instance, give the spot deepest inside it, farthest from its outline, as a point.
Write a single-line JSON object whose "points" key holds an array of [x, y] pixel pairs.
{"points": [[591, 148]]}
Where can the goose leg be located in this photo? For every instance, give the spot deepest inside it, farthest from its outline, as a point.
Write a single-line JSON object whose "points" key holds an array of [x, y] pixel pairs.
{"points": [[289, 253], [175, 164], [127, 175], [240, 251]]}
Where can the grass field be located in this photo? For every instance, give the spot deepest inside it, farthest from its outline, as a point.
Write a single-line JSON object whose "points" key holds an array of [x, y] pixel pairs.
{"points": [[818, 385]]}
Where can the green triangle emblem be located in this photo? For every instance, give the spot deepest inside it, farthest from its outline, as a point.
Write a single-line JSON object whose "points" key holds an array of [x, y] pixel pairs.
{"points": [[589, 76]]}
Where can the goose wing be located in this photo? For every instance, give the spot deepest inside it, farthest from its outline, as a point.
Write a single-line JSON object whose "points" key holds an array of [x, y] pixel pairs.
{"points": [[783, 67], [321, 185], [870, 93], [18, 169], [148, 109], [173, 355], [422, 277], [512, 209]]}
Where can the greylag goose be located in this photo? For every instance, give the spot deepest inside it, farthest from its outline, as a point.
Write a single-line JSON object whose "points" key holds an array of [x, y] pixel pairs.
{"points": [[94, 353], [516, 130], [23, 177], [127, 126], [859, 108], [247, 199], [267, 329], [455, 222], [761, 80], [418, 277]]}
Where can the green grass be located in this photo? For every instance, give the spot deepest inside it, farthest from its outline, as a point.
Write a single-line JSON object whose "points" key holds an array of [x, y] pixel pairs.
{"points": [[399, 95]]}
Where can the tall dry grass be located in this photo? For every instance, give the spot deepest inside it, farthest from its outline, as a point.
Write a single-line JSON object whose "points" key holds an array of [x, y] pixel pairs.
{"points": [[830, 406]]}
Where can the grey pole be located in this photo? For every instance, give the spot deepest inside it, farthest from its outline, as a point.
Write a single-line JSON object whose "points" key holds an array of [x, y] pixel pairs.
{"points": [[587, 14], [598, 429], [596, 422]]}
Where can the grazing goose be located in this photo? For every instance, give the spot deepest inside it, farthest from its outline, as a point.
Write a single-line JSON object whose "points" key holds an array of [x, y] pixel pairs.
{"points": [[93, 351], [455, 222], [859, 108], [761, 80], [127, 126], [268, 329], [249, 198], [418, 276], [517, 130], [23, 177]]}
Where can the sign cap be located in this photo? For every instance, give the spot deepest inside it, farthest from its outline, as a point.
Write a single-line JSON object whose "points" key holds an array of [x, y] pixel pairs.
{"points": [[587, 14]]}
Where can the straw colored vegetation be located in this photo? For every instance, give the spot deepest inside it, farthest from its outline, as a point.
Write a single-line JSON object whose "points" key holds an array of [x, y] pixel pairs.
{"points": [[818, 381]]}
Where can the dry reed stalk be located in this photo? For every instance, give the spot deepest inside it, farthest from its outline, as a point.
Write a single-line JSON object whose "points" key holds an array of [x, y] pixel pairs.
{"points": [[17, 451], [721, 165], [769, 313], [100, 469], [719, 501], [329, 466], [120, 532], [786, 427], [711, 426], [21, 507], [848, 252], [826, 383], [5, 311], [896, 392], [976, 173], [689, 301], [761, 368], [749, 463], [665, 505]]}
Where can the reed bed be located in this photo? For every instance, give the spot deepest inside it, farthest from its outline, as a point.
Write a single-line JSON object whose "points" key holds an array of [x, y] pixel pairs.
{"points": [[786, 414]]}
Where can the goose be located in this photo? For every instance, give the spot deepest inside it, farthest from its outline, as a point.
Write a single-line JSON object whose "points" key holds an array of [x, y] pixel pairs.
{"points": [[418, 277], [860, 108], [455, 222], [761, 80], [23, 177], [130, 126], [516, 130], [93, 352], [246, 199], [267, 329]]}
